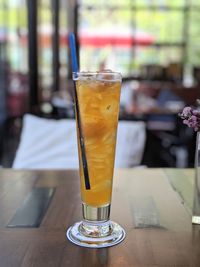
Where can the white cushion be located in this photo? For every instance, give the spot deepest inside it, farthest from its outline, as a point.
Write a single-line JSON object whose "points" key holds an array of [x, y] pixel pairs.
{"points": [[52, 144], [47, 144], [131, 139]]}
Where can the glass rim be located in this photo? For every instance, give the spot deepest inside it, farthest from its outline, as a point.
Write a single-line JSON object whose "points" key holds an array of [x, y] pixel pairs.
{"points": [[85, 74], [96, 72]]}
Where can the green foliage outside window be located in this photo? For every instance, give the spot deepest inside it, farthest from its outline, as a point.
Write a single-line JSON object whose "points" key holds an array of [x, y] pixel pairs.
{"points": [[173, 25]]}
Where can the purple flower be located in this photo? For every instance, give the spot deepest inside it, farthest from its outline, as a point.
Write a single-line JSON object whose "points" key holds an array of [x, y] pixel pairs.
{"points": [[191, 117], [193, 121], [186, 111], [196, 112]]}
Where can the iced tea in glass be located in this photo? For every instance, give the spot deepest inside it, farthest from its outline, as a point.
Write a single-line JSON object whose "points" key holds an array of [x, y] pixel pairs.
{"points": [[97, 110]]}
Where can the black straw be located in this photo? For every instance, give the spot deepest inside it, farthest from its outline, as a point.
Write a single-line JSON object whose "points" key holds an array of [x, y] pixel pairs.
{"points": [[82, 144]]}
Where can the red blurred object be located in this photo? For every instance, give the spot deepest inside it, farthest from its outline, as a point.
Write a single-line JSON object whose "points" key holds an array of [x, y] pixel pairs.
{"points": [[97, 38], [128, 41]]}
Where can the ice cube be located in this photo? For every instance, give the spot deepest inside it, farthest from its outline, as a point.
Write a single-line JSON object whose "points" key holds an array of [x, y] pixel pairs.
{"points": [[105, 75]]}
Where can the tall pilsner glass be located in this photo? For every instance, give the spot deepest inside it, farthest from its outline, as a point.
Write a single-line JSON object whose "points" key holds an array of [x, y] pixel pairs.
{"points": [[97, 96]]}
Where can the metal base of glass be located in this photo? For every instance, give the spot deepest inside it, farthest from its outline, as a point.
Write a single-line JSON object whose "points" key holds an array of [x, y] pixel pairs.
{"points": [[96, 235]]}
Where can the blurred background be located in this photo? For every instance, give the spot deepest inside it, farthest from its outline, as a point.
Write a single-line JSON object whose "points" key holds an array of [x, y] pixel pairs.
{"points": [[155, 44]]}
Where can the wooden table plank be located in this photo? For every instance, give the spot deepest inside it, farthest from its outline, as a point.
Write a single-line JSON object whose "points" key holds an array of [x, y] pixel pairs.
{"points": [[182, 182], [175, 243]]}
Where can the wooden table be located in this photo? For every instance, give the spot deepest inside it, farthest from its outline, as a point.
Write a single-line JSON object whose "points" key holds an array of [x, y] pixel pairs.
{"points": [[153, 205]]}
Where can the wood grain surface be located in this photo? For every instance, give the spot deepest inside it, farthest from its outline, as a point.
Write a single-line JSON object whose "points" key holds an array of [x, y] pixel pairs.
{"points": [[145, 202]]}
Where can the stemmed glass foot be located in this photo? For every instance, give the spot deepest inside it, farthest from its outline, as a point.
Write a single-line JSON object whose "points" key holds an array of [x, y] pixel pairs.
{"points": [[96, 235]]}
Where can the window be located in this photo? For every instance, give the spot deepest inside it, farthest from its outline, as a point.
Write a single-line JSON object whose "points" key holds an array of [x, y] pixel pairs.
{"points": [[45, 44], [13, 57], [129, 36]]}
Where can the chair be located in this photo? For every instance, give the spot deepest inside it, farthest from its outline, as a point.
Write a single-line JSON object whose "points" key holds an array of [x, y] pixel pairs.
{"points": [[52, 144]]}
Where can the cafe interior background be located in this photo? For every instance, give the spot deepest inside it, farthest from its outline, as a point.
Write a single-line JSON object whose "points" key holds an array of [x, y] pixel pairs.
{"points": [[155, 44]]}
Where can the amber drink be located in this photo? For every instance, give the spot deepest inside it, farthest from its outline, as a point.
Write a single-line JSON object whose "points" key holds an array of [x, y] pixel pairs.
{"points": [[97, 99]]}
